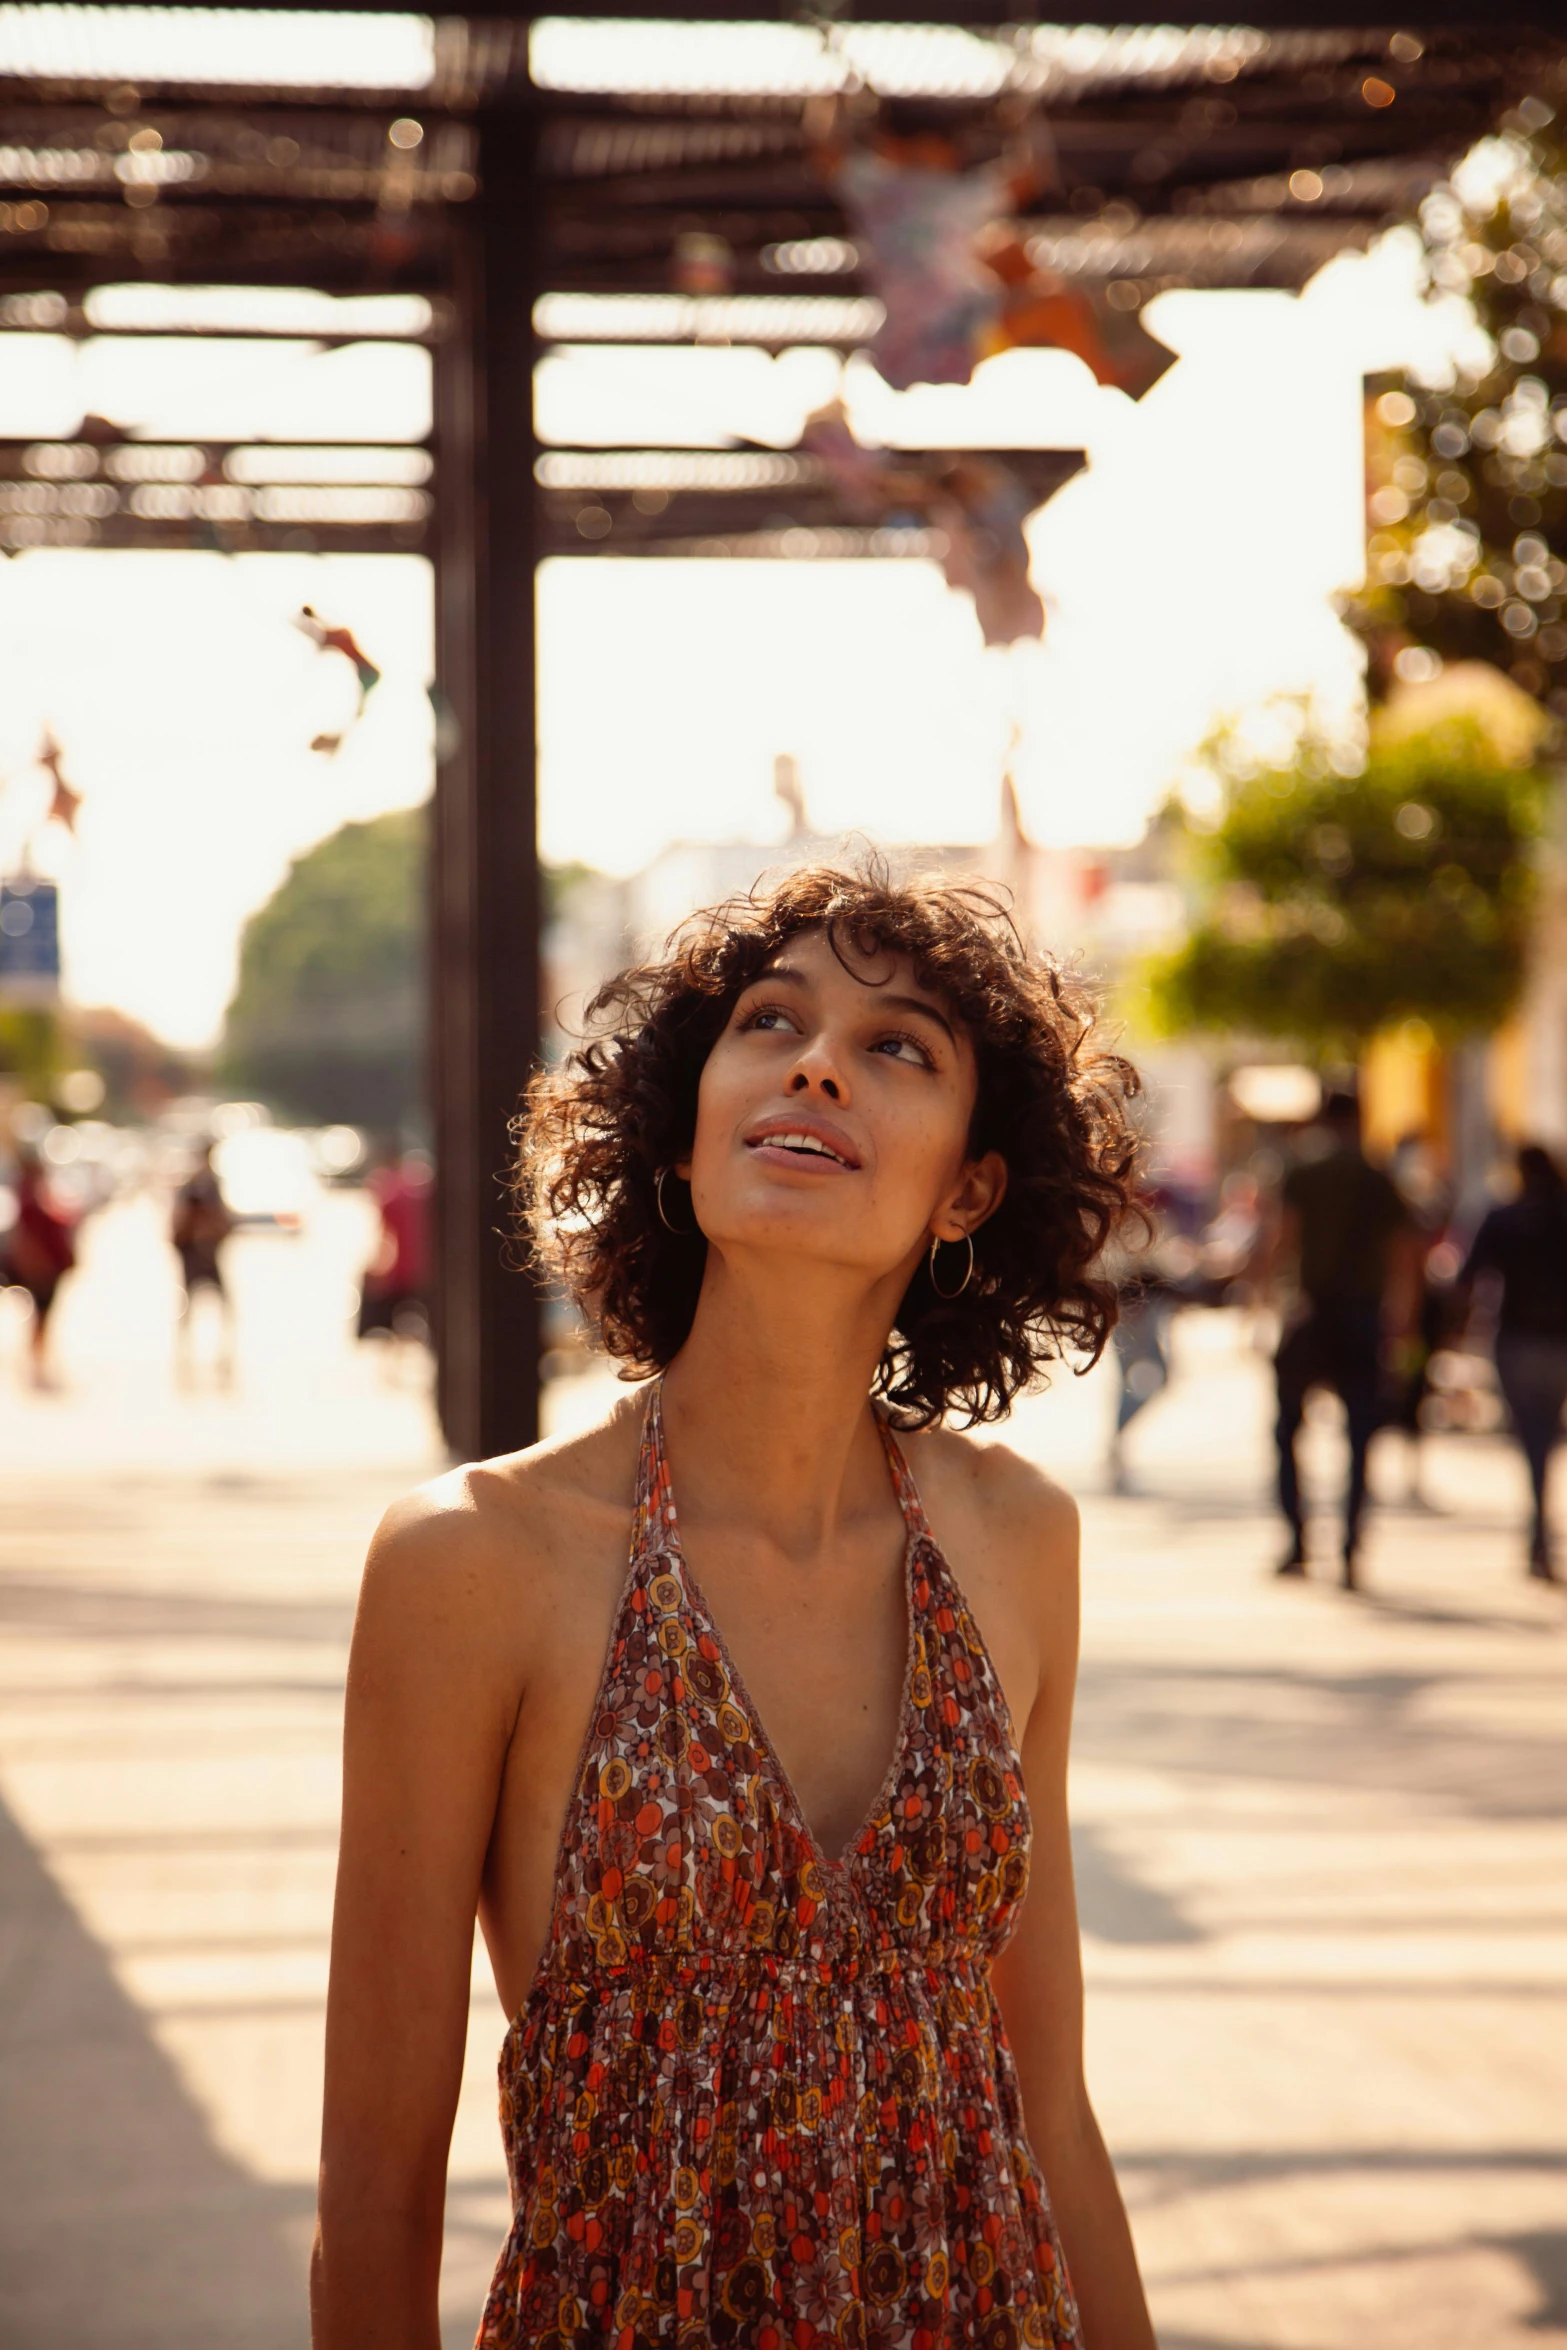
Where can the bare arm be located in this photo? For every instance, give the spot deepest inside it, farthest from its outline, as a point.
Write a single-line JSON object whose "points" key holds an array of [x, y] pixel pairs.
{"points": [[432, 1697], [1040, 1981]]}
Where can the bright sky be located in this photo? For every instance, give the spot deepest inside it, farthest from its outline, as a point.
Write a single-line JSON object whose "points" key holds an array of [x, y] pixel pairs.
{"points": [[1187, 576]]}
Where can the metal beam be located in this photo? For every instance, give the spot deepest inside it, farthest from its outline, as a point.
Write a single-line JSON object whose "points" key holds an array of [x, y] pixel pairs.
{"points": [[984, 15], [485, 890]]}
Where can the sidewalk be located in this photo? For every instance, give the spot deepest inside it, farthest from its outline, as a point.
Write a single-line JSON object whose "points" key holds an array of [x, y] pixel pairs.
{"points": [[1322, 1860]]}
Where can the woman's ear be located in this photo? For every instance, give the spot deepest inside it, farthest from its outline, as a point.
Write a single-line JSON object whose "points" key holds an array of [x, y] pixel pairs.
{"points": [[980, 1191]]}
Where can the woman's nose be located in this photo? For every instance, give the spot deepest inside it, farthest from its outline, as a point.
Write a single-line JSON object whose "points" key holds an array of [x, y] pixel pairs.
{"points": [[818, 1070]]}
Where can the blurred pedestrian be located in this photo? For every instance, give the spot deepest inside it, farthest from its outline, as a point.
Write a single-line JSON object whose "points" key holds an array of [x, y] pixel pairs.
{"points": [[1523, 1247], [394, 1294], [1427, 1196], [202, 1223], [39, 1250], [1142, 1357], [1351, 1238], [1148, 1289]]}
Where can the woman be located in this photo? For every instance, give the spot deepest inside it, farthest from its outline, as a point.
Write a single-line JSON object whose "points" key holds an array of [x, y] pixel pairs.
{"points": [[1523, 1248], [847, 1142]]}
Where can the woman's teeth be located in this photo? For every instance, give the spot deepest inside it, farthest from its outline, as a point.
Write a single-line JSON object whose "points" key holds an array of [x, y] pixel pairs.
{"points": [[802, 1142]]}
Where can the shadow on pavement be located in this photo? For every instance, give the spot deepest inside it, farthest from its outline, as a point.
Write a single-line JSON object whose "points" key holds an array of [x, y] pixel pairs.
{"points": [[1316, 1727], [122, 2225], [1424, 1611], [1540, 2253], [1115, 1904], [1545, 2257], [64, 1603]]}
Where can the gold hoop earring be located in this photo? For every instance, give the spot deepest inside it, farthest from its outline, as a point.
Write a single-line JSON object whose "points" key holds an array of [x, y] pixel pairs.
{"points": [[680, 1231], [947, 1295]]}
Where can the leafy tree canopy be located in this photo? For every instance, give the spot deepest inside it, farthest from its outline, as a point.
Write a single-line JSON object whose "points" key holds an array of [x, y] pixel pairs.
{"points": [[1336, 905], [1468, 478], [327, 1020]]}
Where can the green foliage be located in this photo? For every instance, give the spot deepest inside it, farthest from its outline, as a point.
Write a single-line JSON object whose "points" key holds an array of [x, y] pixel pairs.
{"points": [[556, 884], [1338, 905], [327, 1021], [40, 1043], [1469, 482], [32, 1047]]}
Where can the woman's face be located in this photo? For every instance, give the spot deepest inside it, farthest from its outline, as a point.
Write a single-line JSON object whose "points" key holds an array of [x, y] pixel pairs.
{"points": [[833, 1116]]}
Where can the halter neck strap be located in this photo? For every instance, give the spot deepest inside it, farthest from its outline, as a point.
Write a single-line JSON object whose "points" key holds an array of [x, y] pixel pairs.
{"points": [[654, 1526], [903, 1484]]}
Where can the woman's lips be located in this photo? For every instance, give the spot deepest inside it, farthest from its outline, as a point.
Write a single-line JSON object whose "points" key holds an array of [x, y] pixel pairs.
{"points": [[804, 1142]]}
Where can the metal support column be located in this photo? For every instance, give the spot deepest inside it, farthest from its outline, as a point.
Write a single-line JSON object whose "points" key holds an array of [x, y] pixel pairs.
{"points": [[485, 884]]}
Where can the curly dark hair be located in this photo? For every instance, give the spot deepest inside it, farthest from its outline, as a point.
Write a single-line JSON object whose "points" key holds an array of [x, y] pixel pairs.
{"points": [[1051, 1099]]}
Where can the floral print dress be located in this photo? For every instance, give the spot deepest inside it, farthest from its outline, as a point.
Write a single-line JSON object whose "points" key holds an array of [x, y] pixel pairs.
{"points": [[757, 2096]]}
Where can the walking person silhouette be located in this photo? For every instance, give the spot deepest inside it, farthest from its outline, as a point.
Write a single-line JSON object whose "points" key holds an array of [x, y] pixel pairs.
{"points": [[1523, 1246], [1344, 1224]]}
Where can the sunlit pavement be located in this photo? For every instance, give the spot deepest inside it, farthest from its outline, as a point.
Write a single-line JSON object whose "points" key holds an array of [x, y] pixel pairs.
{"points": [[1322, 1860], [1322, 1850]]}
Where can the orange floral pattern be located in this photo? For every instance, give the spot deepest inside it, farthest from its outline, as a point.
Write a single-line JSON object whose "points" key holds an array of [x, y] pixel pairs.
{"points": [[755, 2096]]}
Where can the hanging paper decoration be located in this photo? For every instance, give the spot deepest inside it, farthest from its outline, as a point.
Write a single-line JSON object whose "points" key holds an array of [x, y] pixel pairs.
{"points": [[921, 223], [977, 503], [981, 506], [1038, 310], [327, 638], [331, 639], [64, 802], [944, 251], [863, 478], [957, 283]]}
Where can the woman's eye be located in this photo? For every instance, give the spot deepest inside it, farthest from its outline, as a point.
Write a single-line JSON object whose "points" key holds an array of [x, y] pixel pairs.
{"points": [[903, 1048], [768, 1016]]}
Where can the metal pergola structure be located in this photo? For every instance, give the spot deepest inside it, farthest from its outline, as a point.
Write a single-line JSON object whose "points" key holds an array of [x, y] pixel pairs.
{"points": [[494, 201]]}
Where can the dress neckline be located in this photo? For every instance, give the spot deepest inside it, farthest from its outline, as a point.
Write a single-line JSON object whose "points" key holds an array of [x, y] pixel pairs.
{"points": [[657, 1498]]}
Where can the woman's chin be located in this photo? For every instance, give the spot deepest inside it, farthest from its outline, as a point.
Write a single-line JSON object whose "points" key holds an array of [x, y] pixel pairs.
{"points": [[800, 1234]]}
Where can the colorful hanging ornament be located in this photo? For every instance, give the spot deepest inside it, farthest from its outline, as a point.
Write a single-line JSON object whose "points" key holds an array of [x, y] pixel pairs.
{"points": [[981, 506], [328, 638], [945, 252], [64, 801], [977, 503], [920, 222]]}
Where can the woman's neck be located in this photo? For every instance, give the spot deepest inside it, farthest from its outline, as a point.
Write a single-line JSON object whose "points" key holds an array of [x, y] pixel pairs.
{"points": [[766, 1404]]}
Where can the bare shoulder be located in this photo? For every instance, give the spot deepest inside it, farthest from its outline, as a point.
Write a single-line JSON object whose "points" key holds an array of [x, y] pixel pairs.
{"points": [[1017, 1511], [1009, 1533], [468, 1541]]}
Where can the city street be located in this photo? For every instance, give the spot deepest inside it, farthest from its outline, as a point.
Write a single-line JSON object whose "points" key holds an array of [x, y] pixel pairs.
{"points": [[1322, 1842]]}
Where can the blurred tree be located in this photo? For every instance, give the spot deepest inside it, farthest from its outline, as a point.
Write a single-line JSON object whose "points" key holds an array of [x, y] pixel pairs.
{"points": [[140, 1072], [1334, 906], [1467, 485], [327, 1021], [41, 1043], [32, 1047]]}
